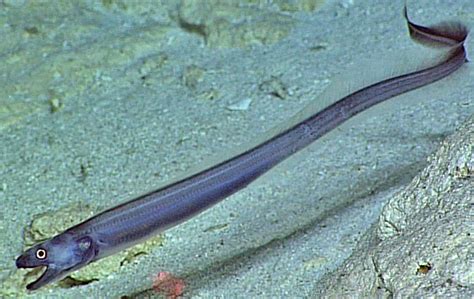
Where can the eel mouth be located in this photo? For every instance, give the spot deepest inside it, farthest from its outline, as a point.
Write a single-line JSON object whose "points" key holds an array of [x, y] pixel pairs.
{"points": [[50, 274]]}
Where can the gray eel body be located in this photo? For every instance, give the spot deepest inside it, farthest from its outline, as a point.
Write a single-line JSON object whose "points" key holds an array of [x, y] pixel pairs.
{"points": [[136, 220]]}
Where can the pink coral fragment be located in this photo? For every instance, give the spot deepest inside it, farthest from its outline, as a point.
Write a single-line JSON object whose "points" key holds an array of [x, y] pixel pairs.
{"points": [[169, 285]]}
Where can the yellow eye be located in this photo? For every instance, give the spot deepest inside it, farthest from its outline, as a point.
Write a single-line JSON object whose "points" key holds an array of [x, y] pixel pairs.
{"points": [[41, 254]]}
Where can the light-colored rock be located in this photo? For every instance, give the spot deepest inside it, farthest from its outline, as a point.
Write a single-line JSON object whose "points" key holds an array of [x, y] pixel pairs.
{"points": [[423, 244]]}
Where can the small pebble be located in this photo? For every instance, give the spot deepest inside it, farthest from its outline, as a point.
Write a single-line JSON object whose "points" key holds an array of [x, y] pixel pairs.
{"points": [[241, 105]]}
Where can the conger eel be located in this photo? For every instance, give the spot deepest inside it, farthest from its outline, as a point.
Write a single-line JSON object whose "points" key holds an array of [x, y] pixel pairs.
{"points": [[138, 219]]}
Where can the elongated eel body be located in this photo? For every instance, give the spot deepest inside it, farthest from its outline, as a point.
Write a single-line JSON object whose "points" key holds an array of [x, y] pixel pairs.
{"points": [[136, 220]]}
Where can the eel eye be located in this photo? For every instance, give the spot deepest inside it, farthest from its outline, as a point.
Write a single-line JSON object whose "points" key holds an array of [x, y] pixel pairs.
{"points": [[41, 254]]}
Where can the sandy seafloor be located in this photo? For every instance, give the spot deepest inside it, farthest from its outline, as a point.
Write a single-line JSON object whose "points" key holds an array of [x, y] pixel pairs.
{"points": [[104, 100]]}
